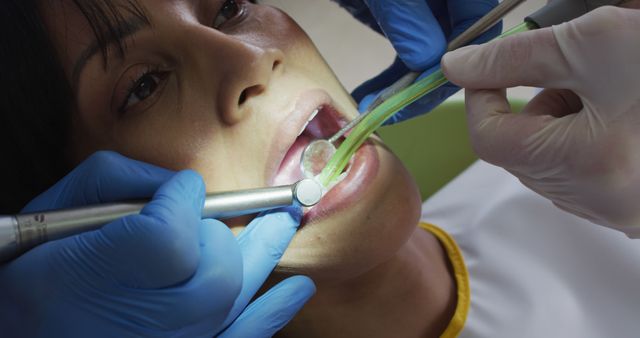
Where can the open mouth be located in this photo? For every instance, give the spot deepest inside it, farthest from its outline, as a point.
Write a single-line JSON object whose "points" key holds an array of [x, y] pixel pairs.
{"points": [[323, 123], [315, 117]]}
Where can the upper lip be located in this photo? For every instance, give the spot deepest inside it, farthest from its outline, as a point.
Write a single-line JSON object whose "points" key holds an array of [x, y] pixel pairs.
{"points": [[288, 131]]}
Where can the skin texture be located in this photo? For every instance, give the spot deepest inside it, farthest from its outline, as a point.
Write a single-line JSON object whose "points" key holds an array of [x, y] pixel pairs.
{"points": [[225, 100]]}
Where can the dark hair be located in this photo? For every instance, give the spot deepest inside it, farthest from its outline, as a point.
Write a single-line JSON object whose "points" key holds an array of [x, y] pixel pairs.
{"points": [[36, 100]]}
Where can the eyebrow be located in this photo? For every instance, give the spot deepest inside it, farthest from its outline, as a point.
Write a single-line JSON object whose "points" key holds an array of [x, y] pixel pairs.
{"points": [[123, 30]]}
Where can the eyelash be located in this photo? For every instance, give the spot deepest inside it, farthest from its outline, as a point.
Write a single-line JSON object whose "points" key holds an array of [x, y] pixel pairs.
{"points": [[153, 71], [240, 11], [162, 75]]}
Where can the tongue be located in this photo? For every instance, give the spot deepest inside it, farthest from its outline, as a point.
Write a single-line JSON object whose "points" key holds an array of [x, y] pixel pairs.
{"points": [[290, 171]]}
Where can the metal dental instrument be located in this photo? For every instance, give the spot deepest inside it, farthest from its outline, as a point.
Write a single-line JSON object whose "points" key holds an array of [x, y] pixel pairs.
{"points": [[19, 233], [318, 152], [486, 22]]}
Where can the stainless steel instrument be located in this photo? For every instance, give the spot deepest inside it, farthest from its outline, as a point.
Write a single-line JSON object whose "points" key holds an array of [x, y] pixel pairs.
{"points": [[19, 233]]}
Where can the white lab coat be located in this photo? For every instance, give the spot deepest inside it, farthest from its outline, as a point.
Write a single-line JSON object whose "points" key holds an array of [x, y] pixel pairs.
{"points": [[534, 270]]}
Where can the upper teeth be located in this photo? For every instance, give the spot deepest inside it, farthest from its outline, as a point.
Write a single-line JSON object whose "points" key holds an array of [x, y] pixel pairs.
{"points": [[313, 115]]}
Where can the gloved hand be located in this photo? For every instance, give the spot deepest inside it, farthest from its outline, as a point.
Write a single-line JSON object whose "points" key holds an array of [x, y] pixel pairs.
{"points": [[419, 31], [162, 273], [576, 142]]}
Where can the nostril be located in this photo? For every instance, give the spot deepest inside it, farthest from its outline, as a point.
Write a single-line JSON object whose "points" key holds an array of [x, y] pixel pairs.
{"points": [[275, 64], [243, 97], [249, 92]]}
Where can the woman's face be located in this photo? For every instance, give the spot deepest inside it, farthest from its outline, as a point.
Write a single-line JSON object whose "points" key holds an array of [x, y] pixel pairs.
{"points": [[225, 88]]}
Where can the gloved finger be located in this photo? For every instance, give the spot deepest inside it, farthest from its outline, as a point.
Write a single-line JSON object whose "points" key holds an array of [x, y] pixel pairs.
{"points": [[157, 248], [366, 102], [464, 13], [527, 59], [412, 29], [209, 295], [104, 177], [272, 311], [500, 137], [554, 102], [363, 93], [262, 243]]}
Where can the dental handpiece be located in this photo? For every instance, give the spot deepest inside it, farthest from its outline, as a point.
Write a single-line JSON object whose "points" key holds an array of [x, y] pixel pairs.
{"points": [[19, 233]]}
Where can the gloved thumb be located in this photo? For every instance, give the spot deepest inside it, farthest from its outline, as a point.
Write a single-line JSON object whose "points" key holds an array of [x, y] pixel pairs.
{"points": [[531, 141], [157, 248], [263, 243], [526, 59], [405, 23]]}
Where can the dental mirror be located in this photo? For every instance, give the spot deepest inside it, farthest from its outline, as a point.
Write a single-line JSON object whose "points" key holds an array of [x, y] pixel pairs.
{"points": [[316, 155]]}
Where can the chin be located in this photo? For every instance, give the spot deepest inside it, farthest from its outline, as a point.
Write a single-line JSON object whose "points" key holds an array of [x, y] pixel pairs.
{"points": [[360, 224]]}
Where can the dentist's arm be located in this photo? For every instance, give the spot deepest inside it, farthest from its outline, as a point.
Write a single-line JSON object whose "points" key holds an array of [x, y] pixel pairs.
{"points": [[576, 143], [162, 273]]}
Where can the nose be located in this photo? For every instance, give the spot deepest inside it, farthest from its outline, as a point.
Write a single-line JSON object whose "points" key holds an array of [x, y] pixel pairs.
{"points": [[246, 77]]}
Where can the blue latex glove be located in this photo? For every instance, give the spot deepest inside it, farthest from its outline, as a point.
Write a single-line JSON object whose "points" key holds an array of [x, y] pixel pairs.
{"points": [[419, 31], [162, 273]]}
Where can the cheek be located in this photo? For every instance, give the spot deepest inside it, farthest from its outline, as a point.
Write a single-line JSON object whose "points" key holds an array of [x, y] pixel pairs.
{"points": [[164, 138], [269, 27], [190, 136], [231, 161]]}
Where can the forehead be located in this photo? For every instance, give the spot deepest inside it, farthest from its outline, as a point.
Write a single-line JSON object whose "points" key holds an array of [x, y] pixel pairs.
{"points": [[80, 29]]}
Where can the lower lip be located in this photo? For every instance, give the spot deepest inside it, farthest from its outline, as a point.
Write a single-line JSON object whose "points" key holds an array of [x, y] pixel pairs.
{"points": [[346, 193]]}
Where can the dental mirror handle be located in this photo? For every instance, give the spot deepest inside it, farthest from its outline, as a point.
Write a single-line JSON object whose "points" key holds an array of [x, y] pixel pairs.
{"points": [[483, 24], [388, 92], [19, 233]]}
